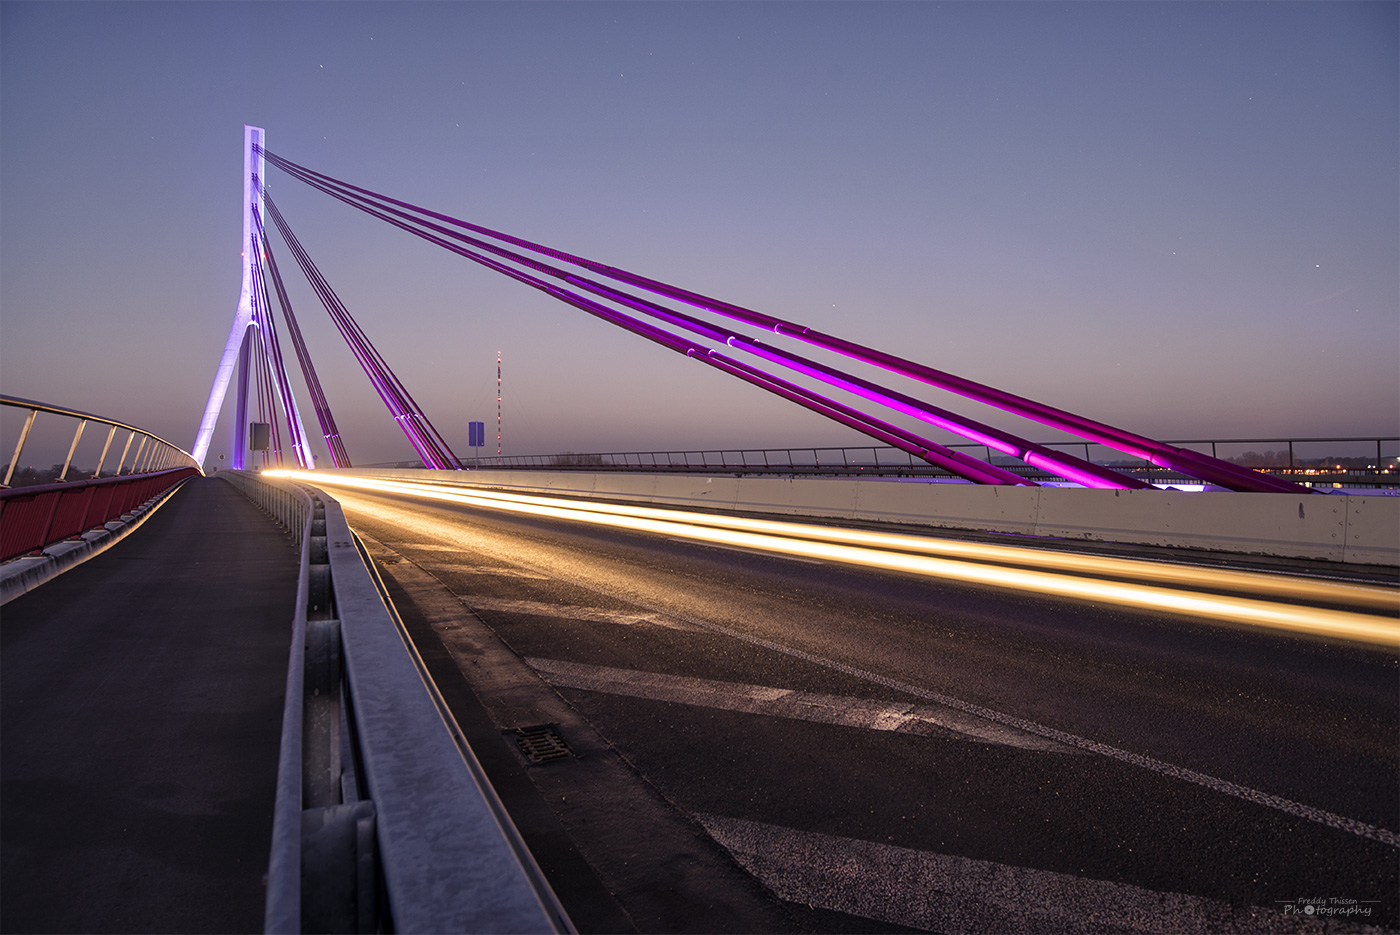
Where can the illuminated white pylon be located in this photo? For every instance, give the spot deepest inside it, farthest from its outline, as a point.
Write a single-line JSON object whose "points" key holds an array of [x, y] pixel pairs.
{"points": [[253, 166]]}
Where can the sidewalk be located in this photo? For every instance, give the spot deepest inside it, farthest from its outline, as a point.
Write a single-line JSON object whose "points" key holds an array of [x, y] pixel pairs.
{"points": [[142, 705]]}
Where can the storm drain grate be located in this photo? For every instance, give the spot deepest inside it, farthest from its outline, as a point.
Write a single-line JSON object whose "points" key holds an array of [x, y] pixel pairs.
{"points": [[542, 743]]}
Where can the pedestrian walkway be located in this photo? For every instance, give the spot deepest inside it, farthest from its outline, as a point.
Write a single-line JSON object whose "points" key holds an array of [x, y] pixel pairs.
{"points": [[142, 706]]}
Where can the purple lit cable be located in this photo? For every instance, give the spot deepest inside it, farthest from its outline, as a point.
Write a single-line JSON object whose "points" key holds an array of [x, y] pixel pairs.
{"points": [[963, 465], [1056, 462], [957, 463], [426, 440], [359, 344], [339, 457], [1190, 462], [262, 313]]}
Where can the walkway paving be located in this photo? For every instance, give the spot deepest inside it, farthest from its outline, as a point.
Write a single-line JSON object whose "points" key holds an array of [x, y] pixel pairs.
{"points": [[142, 702]]}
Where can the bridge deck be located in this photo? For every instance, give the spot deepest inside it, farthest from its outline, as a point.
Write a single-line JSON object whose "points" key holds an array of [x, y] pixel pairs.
{"points": [[142, 698]]}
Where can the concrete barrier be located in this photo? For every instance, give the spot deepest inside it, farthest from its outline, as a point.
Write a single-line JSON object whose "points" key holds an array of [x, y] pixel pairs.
{"points": [[1351, 528], [1373, 530]]}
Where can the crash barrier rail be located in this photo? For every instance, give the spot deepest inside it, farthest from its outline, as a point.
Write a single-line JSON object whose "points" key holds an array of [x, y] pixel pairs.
{"points": [[883, 460], [32, 518], [384, 820], [152, 454]]}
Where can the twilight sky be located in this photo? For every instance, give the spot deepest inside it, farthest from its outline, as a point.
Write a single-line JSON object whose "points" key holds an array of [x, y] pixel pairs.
{"points": [[1177, 218]]}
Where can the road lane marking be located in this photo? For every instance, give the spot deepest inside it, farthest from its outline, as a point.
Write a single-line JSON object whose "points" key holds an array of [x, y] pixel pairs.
{"points": [[1223, 786], [764, 700], [955, 895], [1276, 802], [569, 612]]}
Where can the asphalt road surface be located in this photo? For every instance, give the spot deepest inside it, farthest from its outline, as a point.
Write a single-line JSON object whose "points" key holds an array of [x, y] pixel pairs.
{"points": [[703, 738]]}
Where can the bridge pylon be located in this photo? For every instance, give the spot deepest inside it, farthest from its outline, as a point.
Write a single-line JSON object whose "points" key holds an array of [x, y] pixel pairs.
{"points": [[245, 329]]}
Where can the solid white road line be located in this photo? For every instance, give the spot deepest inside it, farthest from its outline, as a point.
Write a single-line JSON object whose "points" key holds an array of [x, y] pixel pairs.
{"points": [[843, 711], [953, 895]]}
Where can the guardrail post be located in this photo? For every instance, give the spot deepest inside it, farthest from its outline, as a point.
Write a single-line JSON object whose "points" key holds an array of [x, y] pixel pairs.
{"points": [[340, 893], [111, 433], [136, 458], [127, 448], [19, 447]]}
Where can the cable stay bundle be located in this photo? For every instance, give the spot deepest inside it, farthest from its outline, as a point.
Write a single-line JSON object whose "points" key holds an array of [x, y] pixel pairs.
{"points": [[475, 242], [329, 431], [424, 437], [272, 371], [263, 395], [956, 462]]}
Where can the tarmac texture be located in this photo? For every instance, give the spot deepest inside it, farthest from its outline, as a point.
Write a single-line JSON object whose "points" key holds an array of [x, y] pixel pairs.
{"points": [[142, 705]]}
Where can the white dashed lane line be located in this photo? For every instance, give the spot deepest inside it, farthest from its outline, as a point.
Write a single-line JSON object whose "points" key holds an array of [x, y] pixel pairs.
{"points": [[843, 711], [566, 612], [945, 893], [1047, 735]]}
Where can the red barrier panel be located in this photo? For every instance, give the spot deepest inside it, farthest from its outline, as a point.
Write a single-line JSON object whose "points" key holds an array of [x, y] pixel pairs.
{"points": [[34, 517]]}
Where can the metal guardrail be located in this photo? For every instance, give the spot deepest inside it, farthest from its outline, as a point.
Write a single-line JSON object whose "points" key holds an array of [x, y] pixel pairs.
{"points": [[883, 460], [384, 820], [39, 515], [153, 453]]}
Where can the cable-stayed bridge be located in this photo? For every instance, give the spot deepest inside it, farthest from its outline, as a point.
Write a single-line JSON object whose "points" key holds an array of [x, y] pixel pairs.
{"points": [[659, 312], [1027, 691]]}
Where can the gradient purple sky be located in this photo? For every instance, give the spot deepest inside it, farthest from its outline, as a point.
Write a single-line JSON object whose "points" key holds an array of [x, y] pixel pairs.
{"points": [[1177, 218]]}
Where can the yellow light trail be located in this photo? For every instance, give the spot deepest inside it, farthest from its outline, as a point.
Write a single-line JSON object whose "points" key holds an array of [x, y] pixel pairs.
{"points": [[922, 556]]}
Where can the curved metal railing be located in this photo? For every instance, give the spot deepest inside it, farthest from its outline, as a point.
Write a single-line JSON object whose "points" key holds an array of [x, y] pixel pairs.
{"points": [[153, 453], [37, 515]]}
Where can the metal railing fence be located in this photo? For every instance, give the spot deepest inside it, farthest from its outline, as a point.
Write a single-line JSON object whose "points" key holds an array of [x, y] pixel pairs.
{"points": [[39, 514], [152, 453], [384, 821], [882, 460]]}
